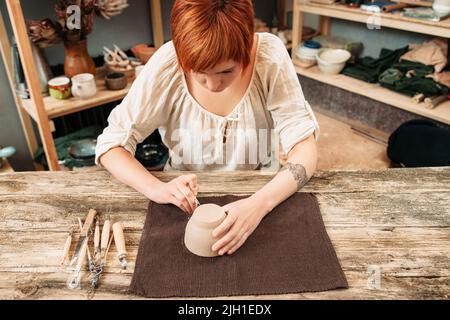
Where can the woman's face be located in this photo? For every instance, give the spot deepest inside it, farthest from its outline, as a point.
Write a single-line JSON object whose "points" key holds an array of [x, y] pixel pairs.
{"points": [[218, 78]]}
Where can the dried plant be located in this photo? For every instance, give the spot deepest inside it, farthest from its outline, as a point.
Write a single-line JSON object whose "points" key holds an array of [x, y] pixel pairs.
{"points": [[46, 33], [111, 8]]}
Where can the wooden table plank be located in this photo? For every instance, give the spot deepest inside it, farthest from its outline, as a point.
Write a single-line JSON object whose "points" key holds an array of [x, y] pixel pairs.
{"points": [[397, 220]]}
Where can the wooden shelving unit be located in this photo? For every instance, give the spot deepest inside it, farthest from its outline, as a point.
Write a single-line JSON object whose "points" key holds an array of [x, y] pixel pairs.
{"points": [[442, 29], [376, 92], [6, 167], [58, 108], [44, 109]]}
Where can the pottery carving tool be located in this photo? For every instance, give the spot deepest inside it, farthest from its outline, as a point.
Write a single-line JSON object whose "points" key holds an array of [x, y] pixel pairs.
{"points": [[195, 198], [80, 251], [119, 240], [66, 247], [99, 270], [82, 242], [105, 235], [97, 240], [91, 262]]}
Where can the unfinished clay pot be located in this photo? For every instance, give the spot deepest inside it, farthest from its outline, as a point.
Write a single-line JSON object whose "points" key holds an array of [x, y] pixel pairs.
{"points": [[198, 235]]}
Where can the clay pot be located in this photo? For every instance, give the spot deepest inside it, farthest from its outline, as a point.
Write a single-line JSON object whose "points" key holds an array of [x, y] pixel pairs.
{"points": [[78, 59], [116, 81], [198, 235], [143, 52]]}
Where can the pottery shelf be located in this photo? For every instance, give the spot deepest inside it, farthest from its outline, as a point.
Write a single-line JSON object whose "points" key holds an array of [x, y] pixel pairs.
{"points": [[376, 92], [326, 11], [388, 20], [43, 109], [58, 108]]}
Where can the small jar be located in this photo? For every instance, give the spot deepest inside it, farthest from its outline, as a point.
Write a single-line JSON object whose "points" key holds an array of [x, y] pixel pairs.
{"points": [[198, 234]]}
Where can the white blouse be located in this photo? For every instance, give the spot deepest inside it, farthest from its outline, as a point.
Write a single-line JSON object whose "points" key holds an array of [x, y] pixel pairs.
{"points": [[272, 115]]}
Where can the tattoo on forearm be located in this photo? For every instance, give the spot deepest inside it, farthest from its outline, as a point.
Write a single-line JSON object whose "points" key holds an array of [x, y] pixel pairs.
{"points": [[298, 172]]}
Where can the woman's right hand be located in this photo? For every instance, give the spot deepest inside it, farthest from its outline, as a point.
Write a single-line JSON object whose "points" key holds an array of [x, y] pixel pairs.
{"points": [[181, 191]]}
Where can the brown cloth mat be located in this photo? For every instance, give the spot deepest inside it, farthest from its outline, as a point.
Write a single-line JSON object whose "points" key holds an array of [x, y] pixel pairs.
{"points": [[289, 252]]}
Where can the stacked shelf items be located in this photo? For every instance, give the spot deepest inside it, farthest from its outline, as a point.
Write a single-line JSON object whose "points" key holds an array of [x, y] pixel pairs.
{"points": [[442, 29]]}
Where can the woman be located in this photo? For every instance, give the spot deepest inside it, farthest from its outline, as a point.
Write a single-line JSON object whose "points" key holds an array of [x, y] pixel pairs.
{"points": [[216, 92]]}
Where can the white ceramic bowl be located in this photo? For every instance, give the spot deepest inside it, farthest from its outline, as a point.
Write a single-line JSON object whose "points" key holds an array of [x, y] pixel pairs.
{"points": [[332, 61], [306, 55], [441, 9]]}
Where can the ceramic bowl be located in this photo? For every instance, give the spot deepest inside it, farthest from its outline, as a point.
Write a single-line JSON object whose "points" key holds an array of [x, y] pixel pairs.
{"points": [[198, 235], [116, 81], [332, 61], [151, 154], [83, 149]]}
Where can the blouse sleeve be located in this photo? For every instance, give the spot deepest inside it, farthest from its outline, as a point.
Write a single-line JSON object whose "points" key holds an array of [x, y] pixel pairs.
{"points": [[141, 111], [293, 117]]}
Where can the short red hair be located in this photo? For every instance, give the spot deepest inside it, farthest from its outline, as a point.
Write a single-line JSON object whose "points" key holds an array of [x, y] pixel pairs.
{"points": [[207, 32]]}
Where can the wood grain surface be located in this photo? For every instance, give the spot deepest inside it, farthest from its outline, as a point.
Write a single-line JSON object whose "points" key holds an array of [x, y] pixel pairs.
{"points": [[394, 222]]}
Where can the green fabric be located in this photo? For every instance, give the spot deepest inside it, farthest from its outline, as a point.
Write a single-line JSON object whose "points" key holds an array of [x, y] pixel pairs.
{"points": [[390, 76], [395, 80], [369, 69], [62, 145], [414, 85], [419, 69]]}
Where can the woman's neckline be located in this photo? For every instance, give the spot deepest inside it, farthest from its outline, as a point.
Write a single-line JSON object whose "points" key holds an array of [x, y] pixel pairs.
{"points": [[244, 96]]}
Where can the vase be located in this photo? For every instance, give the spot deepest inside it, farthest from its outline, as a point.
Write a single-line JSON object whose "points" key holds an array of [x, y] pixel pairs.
{"points": [[77, 59]]}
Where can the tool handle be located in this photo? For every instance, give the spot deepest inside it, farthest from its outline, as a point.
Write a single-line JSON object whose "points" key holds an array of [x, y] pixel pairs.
{"points": [[105, 235], [82, 255], [66, 248], [119, 239], [97, 237]]}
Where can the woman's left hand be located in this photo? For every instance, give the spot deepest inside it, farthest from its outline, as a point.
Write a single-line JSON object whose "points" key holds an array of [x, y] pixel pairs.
{"points": [[243, 217]]}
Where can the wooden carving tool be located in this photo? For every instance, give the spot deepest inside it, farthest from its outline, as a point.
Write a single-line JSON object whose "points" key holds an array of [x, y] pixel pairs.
{"points": [[97, 240], [91, 263], [66, 247], [433, 102], [119, 240], [105, 235], [81, 248]]}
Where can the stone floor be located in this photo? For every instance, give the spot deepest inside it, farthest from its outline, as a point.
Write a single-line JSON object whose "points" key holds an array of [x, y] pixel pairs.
{"points": [[341, 147]]}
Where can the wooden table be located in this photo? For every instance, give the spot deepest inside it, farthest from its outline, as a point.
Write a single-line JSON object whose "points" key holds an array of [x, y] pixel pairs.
{"points": [[394, 222]]}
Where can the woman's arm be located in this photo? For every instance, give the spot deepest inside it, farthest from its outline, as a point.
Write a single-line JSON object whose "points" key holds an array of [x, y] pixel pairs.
{"points": [[246, 214], [299, 168], [181, 191]]}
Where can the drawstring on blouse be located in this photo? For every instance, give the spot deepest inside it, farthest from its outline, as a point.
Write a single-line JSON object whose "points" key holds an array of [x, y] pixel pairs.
{"points": [[226, 124]]}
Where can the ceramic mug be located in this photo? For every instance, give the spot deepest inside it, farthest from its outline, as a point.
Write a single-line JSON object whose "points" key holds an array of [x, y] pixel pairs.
{"points": [[198, 237], [138, 70], [59, 88], [84, 86]]}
